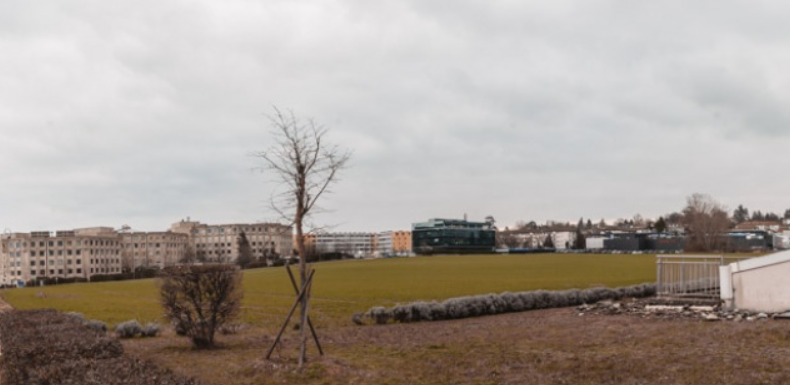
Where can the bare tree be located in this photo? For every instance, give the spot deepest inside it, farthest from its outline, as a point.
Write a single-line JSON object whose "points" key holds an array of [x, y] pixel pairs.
{"points": [[706, 220], [198, 300], [305, 166]]}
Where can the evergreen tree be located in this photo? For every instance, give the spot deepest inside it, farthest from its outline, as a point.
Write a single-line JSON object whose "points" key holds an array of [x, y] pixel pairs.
{"points": [[660, 225], [548, 243], [787, 214], [741, 214], [580, 242], [245, 251], [590, 225]]}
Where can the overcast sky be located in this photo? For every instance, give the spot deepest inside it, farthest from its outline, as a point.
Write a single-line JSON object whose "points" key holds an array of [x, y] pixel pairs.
{"points": [[146, 112]]}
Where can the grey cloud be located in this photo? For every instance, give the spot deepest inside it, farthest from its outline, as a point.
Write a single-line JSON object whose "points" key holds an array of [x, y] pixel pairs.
{"points": [[147, 112]]}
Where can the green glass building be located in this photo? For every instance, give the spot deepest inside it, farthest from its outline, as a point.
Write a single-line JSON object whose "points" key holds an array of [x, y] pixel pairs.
{"points": [[453, 236]]}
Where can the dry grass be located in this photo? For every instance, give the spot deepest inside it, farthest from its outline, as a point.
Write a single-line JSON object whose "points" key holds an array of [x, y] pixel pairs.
{"points": [[540, 347]]}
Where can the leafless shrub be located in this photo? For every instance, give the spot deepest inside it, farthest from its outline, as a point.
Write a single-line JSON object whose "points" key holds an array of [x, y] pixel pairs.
{"points": [[76, 315], [401, 314], [96, 325], [151, 329], [380, 314], [128, 329], [489, 304], [357, 319], [198, 300]]}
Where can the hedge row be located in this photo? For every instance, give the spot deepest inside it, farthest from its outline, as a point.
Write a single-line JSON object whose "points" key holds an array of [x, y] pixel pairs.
{"points": [[490, 304], [140, 273], [47, 347]]}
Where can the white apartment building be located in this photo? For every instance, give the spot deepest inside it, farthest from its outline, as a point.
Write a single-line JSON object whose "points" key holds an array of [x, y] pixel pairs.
{"points": [[357, 244]]}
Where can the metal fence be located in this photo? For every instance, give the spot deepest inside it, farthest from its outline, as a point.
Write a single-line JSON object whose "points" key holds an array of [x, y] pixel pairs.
{"points": [[695, 276]]}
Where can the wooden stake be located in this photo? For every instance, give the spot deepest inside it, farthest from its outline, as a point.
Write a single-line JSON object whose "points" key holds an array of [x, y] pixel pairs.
{"points": [[291, 313], [309, 321]]}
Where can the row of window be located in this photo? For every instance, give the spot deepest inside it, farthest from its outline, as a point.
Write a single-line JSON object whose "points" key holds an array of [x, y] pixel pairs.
{"points": [[143, 245], [19, 245], [52, 253], [69, 271], [221, 230]]}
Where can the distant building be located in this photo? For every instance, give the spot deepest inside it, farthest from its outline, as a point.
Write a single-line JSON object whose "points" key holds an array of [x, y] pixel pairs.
{"points": [[453, 236], [83, 253], [220, 243], [79, 253], [748, 241], [394, 243], [357, 244], [152, 249], [770, 226]]}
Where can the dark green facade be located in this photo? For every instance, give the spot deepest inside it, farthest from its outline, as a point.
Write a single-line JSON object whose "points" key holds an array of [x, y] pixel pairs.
{"points": [[453, 236]]}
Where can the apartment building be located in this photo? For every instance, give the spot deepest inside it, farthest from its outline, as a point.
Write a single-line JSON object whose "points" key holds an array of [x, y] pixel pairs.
{"points": [[82, 253], [358, 244], [78, 253], [394, 243], [220, 243], [153, 249]]}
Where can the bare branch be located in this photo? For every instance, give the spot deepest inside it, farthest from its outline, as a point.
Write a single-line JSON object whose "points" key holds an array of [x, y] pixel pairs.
{"points": [[305, 167]]}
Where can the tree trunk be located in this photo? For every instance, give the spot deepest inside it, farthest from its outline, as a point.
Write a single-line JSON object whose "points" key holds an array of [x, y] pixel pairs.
{"points": [[302, 279]]}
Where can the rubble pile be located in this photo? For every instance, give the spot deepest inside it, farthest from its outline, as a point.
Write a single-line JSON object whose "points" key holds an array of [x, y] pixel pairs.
{"points": [[652, 309]]}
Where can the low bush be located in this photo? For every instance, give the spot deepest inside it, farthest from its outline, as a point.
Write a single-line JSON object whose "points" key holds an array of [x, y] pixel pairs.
{"points": [[76, 315], [44, 347], [489, 304], [151, 329], [36, 338], [256, 265], [199, 300], [128, 329], [96, 325]]}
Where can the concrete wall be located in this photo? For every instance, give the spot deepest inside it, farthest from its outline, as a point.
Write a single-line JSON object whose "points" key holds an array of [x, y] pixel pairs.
{"points": [[758, 284]]}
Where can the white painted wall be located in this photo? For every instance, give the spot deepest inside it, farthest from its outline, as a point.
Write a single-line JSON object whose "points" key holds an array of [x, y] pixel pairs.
{"points": [[594, 243], [758, 284]]}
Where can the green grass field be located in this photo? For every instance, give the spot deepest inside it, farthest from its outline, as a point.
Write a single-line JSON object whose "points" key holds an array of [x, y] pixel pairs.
{"points": [[343, 288]]}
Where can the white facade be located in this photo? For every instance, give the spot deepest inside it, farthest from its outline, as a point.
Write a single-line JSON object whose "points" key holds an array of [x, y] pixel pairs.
{"points": [[385, 244], [563, 239], [782, 241], [594, 243], [757, 284], [357, 244]]}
